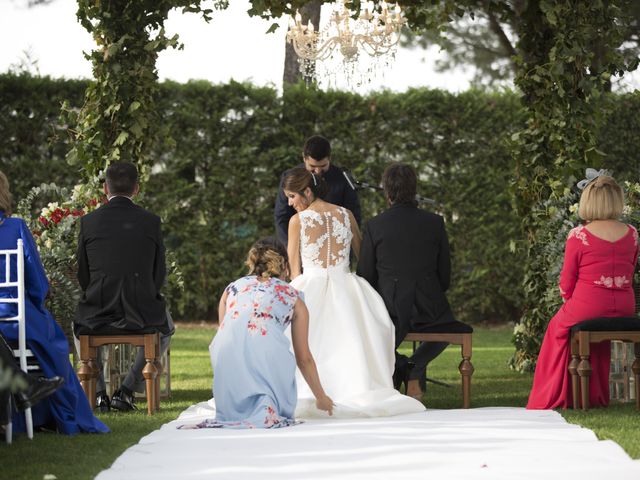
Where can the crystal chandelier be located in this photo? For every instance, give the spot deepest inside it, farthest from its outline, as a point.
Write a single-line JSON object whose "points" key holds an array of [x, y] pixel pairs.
{"points": [[373, 31]]}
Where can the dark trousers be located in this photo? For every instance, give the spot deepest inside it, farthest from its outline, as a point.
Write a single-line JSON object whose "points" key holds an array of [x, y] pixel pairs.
{"points": [[8, 361], [8, 364], [426, 352]]}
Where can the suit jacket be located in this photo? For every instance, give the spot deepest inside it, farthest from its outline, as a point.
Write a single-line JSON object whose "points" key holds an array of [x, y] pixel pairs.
{"points": [[121, 268], [340, 193], [405, 257]]}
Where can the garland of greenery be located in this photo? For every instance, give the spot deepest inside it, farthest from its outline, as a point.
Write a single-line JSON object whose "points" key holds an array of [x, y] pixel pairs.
{"points": [[119, 120]]}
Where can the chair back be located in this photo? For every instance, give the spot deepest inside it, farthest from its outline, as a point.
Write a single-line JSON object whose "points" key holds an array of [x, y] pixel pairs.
{"points": [[19, 299], [9, 285]]}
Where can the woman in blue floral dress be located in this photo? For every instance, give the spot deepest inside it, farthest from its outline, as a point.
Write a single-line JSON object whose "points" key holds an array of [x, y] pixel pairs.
{"points": [[254, 370]]}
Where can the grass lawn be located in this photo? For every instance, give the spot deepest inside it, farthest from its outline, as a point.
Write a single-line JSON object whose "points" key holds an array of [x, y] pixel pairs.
{"points": [[493, 384]]}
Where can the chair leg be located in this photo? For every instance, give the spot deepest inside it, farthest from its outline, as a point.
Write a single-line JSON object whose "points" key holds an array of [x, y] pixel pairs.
{"points": [[466, 370], [573, 371], [150, 374], [584, 367], [86, 372], [635, 368], [584, 370]]}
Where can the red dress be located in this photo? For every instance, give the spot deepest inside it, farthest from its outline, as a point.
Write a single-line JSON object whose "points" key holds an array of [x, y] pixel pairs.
{"points": [[596, 281]]}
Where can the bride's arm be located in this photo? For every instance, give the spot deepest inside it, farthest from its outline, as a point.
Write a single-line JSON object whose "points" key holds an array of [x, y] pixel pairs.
{"points": [[293, 247], [357, 236], [304, 359]]}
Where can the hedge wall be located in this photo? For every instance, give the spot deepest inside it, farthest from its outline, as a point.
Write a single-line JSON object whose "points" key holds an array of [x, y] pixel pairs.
{"points": [[215, 184]]}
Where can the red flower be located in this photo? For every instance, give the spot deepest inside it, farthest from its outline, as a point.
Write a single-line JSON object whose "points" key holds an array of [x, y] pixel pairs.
{"points": [[93, 202], [43, 221]]}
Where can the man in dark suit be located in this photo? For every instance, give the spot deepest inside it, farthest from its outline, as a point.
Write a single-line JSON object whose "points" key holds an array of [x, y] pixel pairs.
{"points": [[316, 156], [26, 389], [121, 268], [405, 257]]}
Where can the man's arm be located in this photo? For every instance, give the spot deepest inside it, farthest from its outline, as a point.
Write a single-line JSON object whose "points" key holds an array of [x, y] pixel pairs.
{"points": [[444, 259], [159, 263], [282, 213], [367, 261], [83, 261]]}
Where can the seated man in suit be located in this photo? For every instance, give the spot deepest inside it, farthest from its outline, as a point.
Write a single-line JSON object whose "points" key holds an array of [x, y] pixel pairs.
{"points": [[405, 257], [121, 268], [26, 389]]}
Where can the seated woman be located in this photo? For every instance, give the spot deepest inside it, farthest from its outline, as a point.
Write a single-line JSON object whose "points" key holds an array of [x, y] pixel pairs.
{"points": [[595, 281], [254, 371], [67, 410]]}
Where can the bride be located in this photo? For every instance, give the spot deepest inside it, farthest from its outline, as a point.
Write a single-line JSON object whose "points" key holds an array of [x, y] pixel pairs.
{"points": [[351, 335]]}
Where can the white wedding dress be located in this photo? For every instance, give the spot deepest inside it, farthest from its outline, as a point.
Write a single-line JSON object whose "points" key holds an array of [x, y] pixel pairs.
{"points": [[351, 335]]}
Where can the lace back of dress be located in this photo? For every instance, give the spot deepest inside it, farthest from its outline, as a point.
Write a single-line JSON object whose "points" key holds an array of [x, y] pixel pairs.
{"points": [[325, 238]]}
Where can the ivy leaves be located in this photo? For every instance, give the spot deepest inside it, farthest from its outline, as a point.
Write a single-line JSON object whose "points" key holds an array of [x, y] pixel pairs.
{"points": [[119, 120]]}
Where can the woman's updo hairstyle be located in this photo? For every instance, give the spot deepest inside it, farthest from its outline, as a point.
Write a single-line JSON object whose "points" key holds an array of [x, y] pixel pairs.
{"points": [[299, 178], [601, 199], [268, 258]]}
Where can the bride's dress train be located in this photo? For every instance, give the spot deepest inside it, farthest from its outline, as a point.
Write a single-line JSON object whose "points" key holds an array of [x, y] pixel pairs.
{"points": [[351, 335]]}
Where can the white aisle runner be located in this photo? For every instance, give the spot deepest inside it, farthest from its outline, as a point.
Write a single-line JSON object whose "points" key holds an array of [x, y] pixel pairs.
{"points": [[483, 443]]}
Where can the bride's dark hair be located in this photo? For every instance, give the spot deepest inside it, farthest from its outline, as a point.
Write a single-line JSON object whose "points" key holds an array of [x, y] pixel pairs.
{"points": [[299, 178], [268, 258]]}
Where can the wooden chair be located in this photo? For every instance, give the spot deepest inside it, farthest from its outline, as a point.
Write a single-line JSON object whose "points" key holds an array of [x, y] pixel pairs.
{"points": [[88, 371], [624, 329], [461, 334]]}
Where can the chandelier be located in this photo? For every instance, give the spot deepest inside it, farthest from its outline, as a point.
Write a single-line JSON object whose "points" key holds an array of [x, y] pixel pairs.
{"points": [[375, 31]]}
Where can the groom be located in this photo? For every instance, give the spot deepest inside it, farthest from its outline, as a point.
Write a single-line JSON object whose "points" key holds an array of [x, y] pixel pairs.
{"points": [[316, 157], [405, 257]]}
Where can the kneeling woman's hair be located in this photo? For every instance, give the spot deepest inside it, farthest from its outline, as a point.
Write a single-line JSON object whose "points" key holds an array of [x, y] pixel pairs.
{"points": [[602, 199], [268, 258]]}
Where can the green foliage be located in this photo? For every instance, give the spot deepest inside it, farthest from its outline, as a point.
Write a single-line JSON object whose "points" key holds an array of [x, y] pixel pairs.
{"points": [[215, 182], [32, 141], [562, 81], [119, 119], [485, 41]]}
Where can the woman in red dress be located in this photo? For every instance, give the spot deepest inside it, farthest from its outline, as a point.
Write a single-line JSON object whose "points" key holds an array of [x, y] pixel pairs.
{"points": [[595, 281]]}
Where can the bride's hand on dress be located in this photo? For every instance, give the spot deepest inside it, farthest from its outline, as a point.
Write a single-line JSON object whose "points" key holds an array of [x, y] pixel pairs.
{"points": [[325, 403]]}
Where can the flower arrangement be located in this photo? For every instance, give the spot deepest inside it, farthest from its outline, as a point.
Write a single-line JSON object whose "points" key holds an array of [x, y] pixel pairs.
{"points": [[55, 230]]}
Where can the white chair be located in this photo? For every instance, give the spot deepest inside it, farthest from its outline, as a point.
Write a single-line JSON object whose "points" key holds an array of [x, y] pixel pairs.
{"points": [[22, 353]]}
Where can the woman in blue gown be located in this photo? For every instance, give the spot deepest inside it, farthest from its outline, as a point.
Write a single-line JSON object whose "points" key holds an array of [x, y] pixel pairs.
{"points": [[67, 409], [254, 370]]}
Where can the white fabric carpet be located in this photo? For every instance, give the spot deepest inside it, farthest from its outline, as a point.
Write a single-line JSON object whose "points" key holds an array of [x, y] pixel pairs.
{"points": [[482, 443]]}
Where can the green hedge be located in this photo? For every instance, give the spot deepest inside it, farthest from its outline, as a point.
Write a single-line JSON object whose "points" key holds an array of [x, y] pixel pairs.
{"points": [[214, 183]]}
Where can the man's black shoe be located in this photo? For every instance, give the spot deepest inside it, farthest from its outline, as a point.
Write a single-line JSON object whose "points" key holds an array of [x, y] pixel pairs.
{"points": [[38, 389], [123, 401], [102, 402]]}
